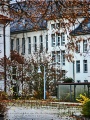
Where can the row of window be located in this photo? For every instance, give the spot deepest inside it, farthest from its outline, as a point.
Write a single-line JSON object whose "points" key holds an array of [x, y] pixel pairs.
{"points": [[29, 44], [80, 81], [84, 46], [58, 57], [58, 39], [85, 66], [57, 25]]}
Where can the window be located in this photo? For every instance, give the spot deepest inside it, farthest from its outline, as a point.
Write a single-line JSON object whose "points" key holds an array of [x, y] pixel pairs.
{"points": [[62, 39], [63, 57], [62, 25], [12, 44], [41, 43], [53, 40], [78, 66], [85, 69], [58, 39], [78, 81], [14, 72], [17, 45], [53, 56], [52, 26], [78, 47], [58, 56], [63, 74], [85, 81], [46, 43], [23, 45], [88, 25], [57, 25], [35, 44], [84, 45], [29, 45]]}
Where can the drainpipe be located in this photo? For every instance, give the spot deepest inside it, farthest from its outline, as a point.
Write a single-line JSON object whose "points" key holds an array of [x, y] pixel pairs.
{"points": [[4, 58], [74, 71]]}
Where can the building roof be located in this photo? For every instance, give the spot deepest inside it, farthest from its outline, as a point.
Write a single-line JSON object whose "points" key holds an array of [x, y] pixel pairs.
{"points": [[22, 23], [82, 29]]}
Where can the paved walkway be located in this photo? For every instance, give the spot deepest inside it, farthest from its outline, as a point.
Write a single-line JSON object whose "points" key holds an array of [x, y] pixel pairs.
{"points": [[22, 113]]}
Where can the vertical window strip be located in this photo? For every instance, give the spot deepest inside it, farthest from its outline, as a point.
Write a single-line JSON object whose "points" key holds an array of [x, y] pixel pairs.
{"points": [[17, 45], [53, 40], [29, 45], [78, 66], [46, 43], [12, 44], [53, 56], [62, 39], [23, 45], [52, 26], [58, 57], [35, 43], [84, 45], [85, 69], [41, 43], [63, 57], [58, 39], [78, 47]]}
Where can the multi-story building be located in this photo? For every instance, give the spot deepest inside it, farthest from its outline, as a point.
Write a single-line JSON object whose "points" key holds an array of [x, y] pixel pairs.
{"points": [[82, 52], [52, 39]]}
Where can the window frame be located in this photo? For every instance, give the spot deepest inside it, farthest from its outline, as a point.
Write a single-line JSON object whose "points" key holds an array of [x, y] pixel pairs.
{"points": [[41, 43], [62, 39], [53, 40], [63, 57], [23, 46], [12, 44], [58, 39], [85, 66], [84, 46], [17, 45], [29, 45], [78, 65], [77, 47], [35, 43], [46, 43]]}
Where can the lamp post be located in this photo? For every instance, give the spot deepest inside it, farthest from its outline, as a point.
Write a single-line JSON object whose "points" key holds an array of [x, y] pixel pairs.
{"points": [[39, 71]]}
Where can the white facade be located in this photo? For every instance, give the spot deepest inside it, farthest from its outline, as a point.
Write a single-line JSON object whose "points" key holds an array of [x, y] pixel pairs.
{"points": [[57, 39], [7, 41], [84, 57], [4, 38]]}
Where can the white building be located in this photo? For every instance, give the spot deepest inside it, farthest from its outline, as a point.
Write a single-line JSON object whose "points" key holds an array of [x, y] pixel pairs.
{"points": [[53, 40]]}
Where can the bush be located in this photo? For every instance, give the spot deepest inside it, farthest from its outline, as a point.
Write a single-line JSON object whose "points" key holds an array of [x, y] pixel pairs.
{"points": [[86, 109], [3, 96], [68, 80], [85, 105]]}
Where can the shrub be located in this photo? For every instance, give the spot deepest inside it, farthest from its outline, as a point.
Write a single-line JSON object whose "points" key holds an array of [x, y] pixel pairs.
{"points": [[86, 109], [3, 96], [68, 80], [85, 105]]}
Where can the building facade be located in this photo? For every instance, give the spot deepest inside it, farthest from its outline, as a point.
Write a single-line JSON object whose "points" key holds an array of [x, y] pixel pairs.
{"points": [[52, 40]]}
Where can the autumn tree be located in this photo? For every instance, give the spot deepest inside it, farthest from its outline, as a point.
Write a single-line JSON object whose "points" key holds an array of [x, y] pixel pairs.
{"points": [[23, 77]]}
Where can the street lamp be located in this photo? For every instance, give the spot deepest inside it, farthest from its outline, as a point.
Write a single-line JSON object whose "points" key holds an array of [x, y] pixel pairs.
{"points": [[39, 71]]}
